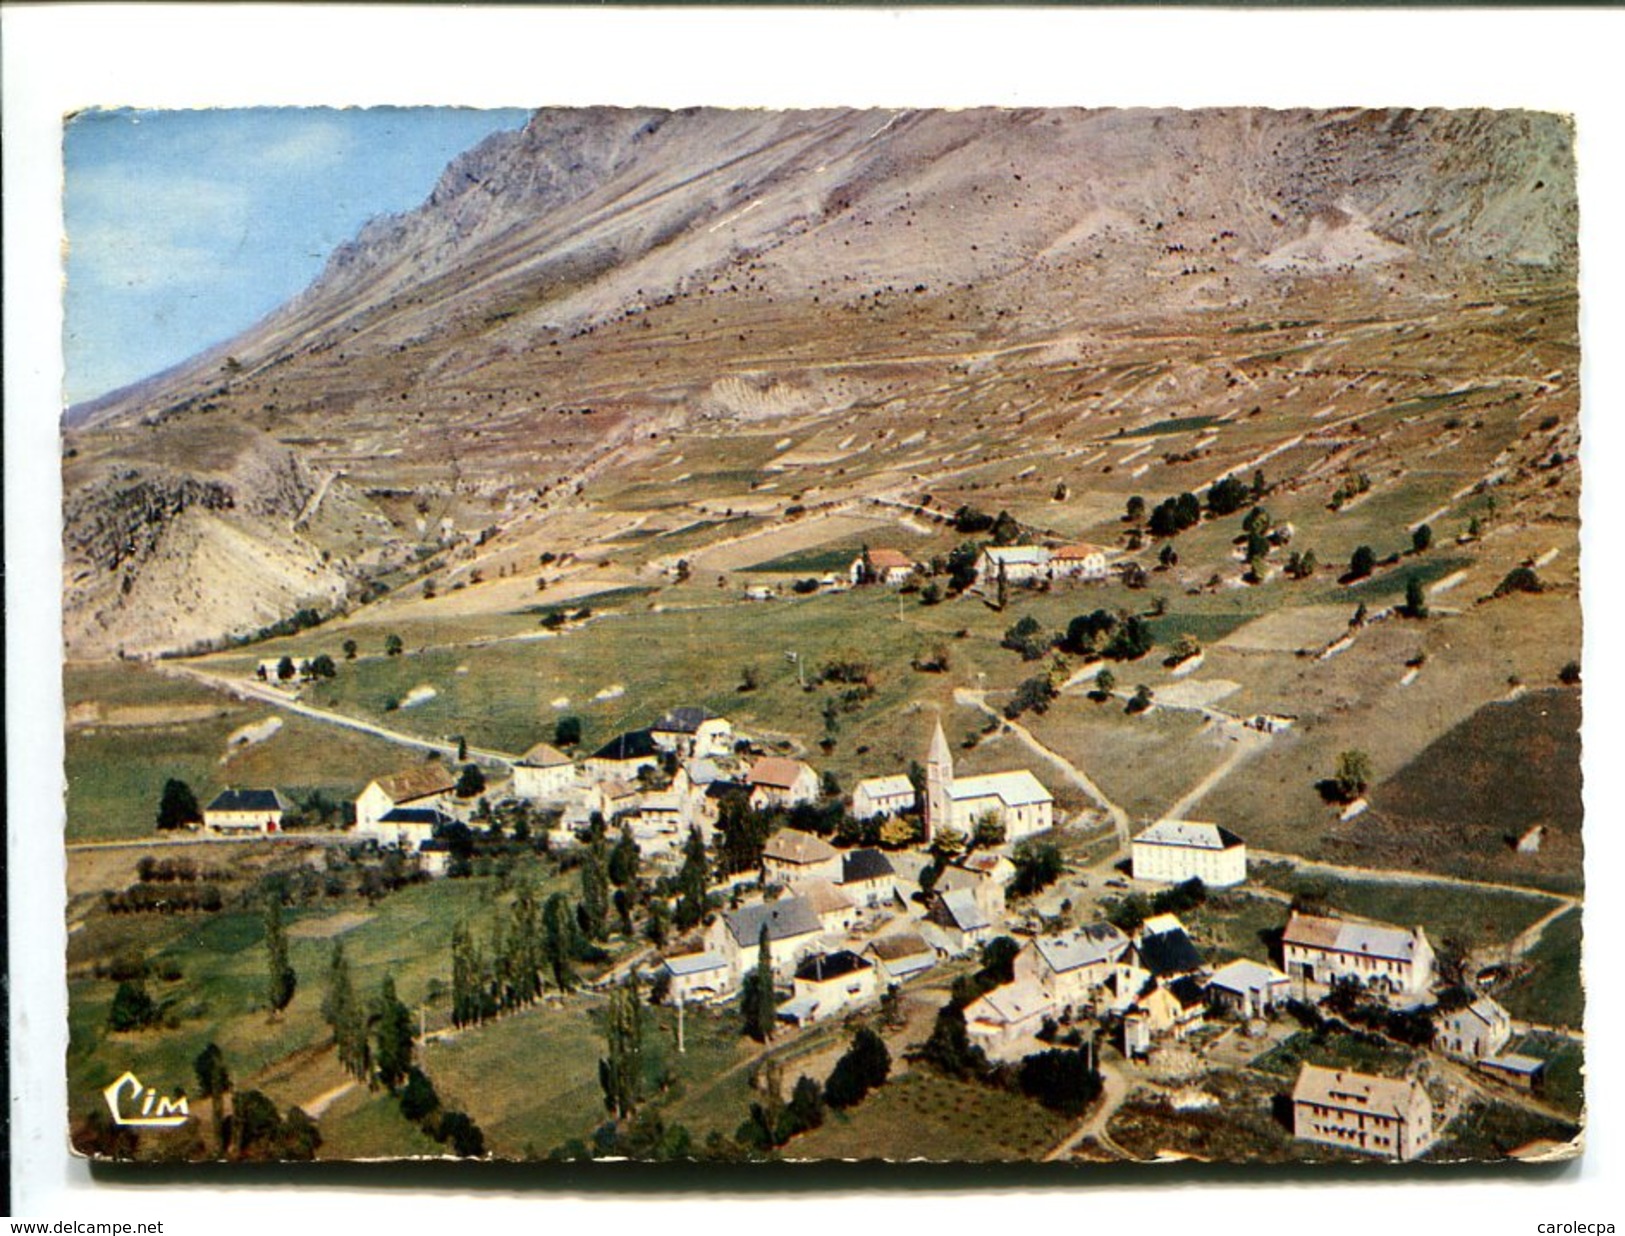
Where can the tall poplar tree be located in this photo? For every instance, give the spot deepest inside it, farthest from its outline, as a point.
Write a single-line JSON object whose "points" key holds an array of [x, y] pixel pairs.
{"points": [[280, 977]]}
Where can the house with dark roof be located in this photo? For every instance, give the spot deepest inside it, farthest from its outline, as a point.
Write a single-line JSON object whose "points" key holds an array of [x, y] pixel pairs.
{"points": [[827, 984], [1172, 1009], [245, 811], [793, 932], [690, 732], [624, 756], [1165, 950], [868, 877], [409, 828]]}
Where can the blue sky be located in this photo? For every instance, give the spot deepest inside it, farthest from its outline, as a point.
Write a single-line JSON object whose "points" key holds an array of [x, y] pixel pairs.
{"points": [[185, 227]]}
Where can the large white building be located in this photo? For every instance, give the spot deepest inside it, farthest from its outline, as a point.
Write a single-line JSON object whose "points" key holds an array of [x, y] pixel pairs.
{"points": [[429, 785], [888, 795], [1017, 800], [544, 773], [1173, 851], [1387, 961]]}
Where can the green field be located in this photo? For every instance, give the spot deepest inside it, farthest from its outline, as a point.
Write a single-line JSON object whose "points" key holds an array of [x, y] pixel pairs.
{"points": [[1495, 1130], [1551, 992], [1362, 1052], [1477, 917], [925, 1116]]}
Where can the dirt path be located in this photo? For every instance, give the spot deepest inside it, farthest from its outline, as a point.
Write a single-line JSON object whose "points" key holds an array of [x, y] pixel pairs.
{"points": [[268, 695], [1114, 1089], [1119, 817], [314, 1108], [1243, 752]]}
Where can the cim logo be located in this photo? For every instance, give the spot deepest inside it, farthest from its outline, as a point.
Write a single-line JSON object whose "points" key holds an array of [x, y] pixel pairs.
{"points": [[155, 1113]]}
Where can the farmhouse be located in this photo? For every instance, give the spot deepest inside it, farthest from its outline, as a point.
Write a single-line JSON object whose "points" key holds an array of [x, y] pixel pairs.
{"points": [[963, 924], [833, 907], [428, 785], [1081, 561], [543, 773], [881, 566], [245, 811], [793, 930], [624, 755], [1388, 961], [890, 795], [1017, 800], [407, 828], [1479, 1030], [792, 858], [1008, 1014], [1248, 988], [1173, 851], [1071, 967], [697, 976], [827, 983], [1018, 564], [868, 878], [1373, 1115], [693, 732], [901, 956], [777, 781]]}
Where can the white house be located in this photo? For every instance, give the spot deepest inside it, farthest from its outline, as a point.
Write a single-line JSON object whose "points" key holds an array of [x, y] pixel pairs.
{"points": [[834, 908], [1388, 961], [1007, 1015], [543, 774], [1174, 1009], [692, 732], [700, 976], [962, 922], [1017, 800], [1248, 988], [1390, 1117], [407, 828], [1173, 851], [1080, 561], [901, 956], [1476, 1032], [430, 784], [793, 932], [1073, 966], [1018, 564], [826, 984], [793, 858], [777, 781], [868, 878], [881, 566], [245, 811], [890, 795]]}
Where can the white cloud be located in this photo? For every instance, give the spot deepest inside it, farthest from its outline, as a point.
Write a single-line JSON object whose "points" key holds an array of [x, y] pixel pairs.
{"points": [[130, 231], [308, 144]]}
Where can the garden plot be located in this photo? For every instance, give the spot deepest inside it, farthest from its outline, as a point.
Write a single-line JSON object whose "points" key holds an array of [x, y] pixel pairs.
{"points": [[1287, 630]]}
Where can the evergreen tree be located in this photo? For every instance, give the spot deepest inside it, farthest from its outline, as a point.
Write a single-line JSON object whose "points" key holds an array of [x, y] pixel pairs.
{"points": [[623, 859], [863, 1068], [692, 881], [466, 967], [280, 978], [341, 1009], [214, 1083], [1416, 604], [1422, 538], [392, 1035], [525, 946], [177, 808], [620, 1071], [593, 909], [756, 994], [559, 941], [132, 1008]]}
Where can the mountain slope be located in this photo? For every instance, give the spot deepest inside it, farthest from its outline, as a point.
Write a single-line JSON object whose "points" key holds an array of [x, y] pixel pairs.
{"points": [[605, 274]]}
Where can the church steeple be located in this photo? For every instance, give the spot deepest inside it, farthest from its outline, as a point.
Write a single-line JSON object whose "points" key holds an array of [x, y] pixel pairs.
{"points": [[939, 776]]}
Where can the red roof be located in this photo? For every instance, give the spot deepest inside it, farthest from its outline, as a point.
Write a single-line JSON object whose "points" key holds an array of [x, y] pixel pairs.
{"points": [[886, 559]]}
